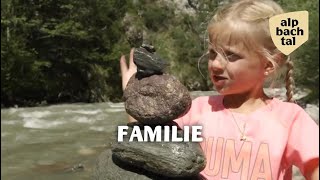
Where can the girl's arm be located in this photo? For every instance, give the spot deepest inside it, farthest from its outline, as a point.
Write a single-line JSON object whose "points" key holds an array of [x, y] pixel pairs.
{"points": [[126, 73], [303, 144], [313, 173]]}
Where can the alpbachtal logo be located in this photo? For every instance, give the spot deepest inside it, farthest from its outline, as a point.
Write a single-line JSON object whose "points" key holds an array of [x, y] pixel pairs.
{"points": [[289, 30]]}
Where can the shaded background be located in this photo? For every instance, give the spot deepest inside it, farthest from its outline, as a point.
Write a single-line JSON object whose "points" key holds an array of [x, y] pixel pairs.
{"points": [[64, 51]]}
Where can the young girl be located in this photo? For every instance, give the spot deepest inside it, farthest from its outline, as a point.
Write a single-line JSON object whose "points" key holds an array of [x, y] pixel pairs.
{"points": [[248, 135]]}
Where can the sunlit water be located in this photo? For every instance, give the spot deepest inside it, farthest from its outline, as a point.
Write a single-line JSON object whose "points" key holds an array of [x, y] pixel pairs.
{"points": [[50, 142]]}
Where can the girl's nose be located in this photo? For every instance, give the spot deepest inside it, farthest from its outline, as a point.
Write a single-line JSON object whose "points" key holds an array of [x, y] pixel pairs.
{"points": [[218, 64]]}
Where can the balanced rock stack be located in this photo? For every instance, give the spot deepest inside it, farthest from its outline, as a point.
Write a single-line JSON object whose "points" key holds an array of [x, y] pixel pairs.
{"points": [[154, 99]]}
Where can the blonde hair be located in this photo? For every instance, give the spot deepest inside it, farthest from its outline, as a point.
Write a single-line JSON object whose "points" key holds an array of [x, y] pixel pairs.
{"points": [[245, 23]]}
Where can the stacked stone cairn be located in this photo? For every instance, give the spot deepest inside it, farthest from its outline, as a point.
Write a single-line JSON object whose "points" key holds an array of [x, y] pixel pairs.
{"points": [[154, 98]]}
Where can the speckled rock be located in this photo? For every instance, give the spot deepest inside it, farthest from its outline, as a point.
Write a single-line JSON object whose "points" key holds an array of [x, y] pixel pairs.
{"points": [[174, 159], [108, 167], [157, 99]]}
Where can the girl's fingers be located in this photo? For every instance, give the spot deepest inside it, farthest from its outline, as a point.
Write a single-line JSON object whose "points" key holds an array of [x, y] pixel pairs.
{"points": [[123, 65], [132, 65]]}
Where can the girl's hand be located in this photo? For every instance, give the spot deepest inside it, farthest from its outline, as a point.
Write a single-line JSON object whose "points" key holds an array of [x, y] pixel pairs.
{"points": [[127, 72]]}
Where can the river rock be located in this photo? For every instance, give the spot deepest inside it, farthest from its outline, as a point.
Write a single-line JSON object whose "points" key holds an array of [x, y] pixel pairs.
{"points": [[172, 159], [148, 62], [156, 99], [108, 167]]}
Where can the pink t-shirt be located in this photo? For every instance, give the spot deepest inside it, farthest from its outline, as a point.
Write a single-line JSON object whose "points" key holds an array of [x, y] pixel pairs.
{"points": [[279, 135]]}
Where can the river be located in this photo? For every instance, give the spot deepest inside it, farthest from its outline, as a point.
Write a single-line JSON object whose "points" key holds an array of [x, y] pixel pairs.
{"points": [[58, 142]]}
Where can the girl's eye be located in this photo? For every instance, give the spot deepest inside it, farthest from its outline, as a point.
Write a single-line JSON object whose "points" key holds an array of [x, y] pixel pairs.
{"points": [[232, 57], [212, 55]]}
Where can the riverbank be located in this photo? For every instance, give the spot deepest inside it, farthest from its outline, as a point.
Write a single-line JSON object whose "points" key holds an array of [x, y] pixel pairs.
{"points": [[280, 93]]}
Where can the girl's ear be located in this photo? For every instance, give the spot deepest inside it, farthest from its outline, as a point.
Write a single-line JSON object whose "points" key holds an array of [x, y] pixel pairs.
{"points": [[269, 68], [278, 61]]}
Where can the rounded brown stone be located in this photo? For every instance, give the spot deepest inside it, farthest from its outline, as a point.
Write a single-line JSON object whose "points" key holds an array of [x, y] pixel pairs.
{"points": [[156, 99]]}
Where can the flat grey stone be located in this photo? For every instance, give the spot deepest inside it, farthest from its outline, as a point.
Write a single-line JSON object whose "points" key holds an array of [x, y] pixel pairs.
{"points": [[148, 62], [171, 159], [107, 169]]}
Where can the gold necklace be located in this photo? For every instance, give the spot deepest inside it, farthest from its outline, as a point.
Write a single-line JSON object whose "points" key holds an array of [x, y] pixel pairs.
{"points": [[243, 137]]}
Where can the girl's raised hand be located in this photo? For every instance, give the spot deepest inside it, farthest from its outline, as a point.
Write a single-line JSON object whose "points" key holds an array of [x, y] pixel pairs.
{"points": [[127, 72]]}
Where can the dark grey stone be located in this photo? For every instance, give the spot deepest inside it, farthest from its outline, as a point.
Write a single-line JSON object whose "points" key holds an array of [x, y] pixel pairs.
{"points": [[157, 99], [148, 47], [148, 62], [107, 169], [172, 159]]}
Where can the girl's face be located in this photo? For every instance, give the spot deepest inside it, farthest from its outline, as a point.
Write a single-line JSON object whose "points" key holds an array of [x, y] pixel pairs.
{"points": [[233, 70]]}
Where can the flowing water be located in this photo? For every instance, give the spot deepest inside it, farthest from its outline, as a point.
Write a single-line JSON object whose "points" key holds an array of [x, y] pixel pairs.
{"points": [[56, 142]]}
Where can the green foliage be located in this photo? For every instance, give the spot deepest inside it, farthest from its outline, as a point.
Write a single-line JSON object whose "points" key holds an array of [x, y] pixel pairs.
{"points": [[59, 51], [68, 51], [306, 57]]}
